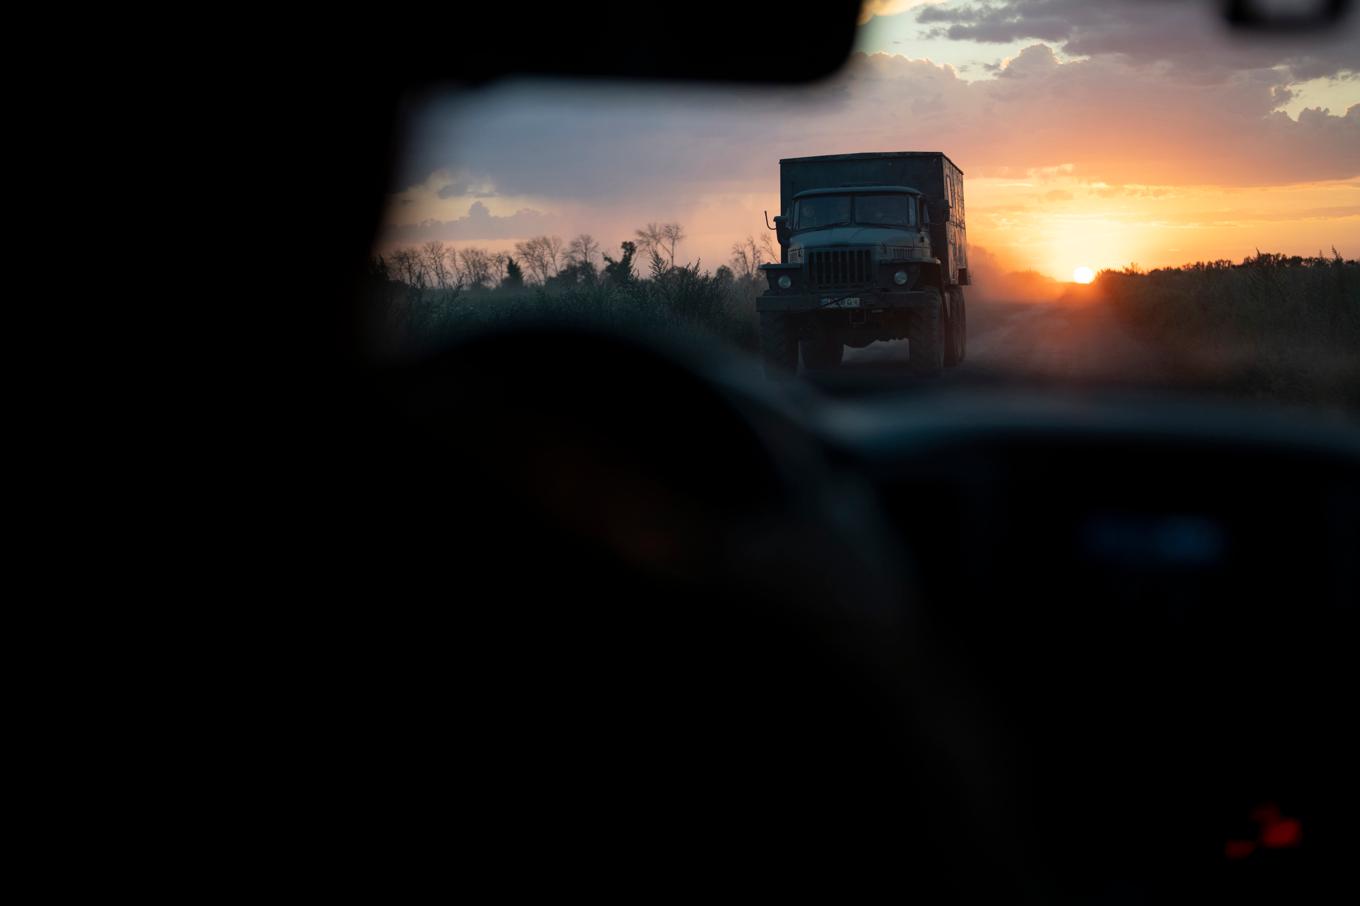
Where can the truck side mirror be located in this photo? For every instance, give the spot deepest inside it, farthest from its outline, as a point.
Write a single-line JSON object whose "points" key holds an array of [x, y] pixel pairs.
{"points": [[782, 235]]}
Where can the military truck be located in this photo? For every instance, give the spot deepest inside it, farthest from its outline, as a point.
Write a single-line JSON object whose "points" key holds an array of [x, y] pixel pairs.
{"points": [[872, 247]]}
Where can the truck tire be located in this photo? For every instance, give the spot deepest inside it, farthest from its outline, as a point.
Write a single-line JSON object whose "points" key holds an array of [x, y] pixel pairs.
{"points": [[778, 344], [957, 328], [926, 335], [824, 351]]}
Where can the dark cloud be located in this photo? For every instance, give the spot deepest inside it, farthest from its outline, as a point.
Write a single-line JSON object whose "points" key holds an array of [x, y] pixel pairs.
{"points": [[1004, 23], [1190, 36], [1114, 122], [462, 187]]}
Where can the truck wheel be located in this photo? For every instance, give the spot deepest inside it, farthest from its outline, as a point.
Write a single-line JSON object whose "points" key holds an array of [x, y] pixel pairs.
{"points": [[778, 344], [823, 352], [957, 328], [926, 335]]}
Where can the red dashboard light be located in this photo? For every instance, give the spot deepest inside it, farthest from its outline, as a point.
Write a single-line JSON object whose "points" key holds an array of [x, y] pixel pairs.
{"points": [[1282, 833], [1276, 832]]}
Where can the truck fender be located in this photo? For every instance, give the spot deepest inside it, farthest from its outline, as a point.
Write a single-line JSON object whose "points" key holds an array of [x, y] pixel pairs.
{"points": [[932, 274]]}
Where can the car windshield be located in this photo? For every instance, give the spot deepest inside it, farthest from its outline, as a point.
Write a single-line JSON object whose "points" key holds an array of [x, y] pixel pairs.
{"points": [[822, 211], [885, 210], [1154, 200]]}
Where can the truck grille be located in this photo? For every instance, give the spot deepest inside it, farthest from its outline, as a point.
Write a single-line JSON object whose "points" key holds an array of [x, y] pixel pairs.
{"points": [[840, 267]]}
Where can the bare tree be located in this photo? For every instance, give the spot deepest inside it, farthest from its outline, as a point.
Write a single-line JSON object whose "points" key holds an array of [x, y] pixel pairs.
{"points": [[742, 265], [457, 274], [528, 255], [583, 250], [541, 256], [748, 255], [671, 236], [477, 267], [435, 258], [649, 239], [498, 268], [409, 265], [552, 250]]}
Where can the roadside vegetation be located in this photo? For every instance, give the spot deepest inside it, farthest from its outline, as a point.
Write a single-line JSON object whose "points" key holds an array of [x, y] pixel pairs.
{"points": [[1271, 326], [428, 294]]}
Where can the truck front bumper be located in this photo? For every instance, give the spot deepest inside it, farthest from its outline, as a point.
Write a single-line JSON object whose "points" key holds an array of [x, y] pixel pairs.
{"points": [[871, 299]]}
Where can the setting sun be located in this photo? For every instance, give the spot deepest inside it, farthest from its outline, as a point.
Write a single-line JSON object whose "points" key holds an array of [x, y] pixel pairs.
{"points": [[1083, 274]]}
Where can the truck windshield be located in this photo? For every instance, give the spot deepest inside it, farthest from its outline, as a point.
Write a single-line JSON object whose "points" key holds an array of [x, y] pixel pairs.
{"points": [[832, 210], [821, 211], [889, 210]]}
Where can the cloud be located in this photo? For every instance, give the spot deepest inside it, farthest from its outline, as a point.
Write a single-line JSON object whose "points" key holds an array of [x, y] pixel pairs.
{"points": [[478, 224], [660, 150], [462, 186], [1190, 37], [1105, 118], [453, 190], [1037, 59]]}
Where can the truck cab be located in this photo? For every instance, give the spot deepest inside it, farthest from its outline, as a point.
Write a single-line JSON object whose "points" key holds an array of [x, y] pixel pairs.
{"points": [[862, 261], [891, 220]]}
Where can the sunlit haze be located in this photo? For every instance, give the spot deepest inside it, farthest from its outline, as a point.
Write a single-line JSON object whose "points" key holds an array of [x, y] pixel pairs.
{"points": [[1092, 134]]}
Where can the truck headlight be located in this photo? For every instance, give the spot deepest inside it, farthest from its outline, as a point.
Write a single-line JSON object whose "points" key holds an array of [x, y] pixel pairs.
{"points": [[785, 282], [900, 278]]}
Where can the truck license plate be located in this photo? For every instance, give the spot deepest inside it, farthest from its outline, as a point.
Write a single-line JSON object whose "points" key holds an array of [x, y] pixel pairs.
{"points": [[851, 302]]}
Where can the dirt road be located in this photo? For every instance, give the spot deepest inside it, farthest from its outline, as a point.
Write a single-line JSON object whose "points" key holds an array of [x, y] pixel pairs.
{"points": [[1070, 339]]}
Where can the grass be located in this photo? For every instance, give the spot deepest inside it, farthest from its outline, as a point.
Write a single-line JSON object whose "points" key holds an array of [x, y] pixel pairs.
{"points": [[680, 301], [1270, 327]]}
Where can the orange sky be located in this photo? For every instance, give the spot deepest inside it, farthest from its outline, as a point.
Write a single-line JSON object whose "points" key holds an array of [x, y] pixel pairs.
{"points": [[1057, 224]]}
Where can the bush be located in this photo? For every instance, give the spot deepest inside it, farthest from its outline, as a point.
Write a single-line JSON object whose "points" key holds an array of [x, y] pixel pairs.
{"points": [[1274, 326], [680, 299]]}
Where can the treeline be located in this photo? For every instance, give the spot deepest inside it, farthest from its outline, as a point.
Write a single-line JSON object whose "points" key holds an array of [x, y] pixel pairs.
{"points": [[549, 261], [428, 291], [1285, 327]]}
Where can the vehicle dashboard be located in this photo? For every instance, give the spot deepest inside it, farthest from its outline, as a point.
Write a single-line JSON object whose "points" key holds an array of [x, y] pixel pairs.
{"points": [[1120, 626]]}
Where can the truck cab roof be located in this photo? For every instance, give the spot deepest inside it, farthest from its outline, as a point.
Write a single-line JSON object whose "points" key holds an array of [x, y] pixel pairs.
{"points": [[871, 155], [842, 190]]}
